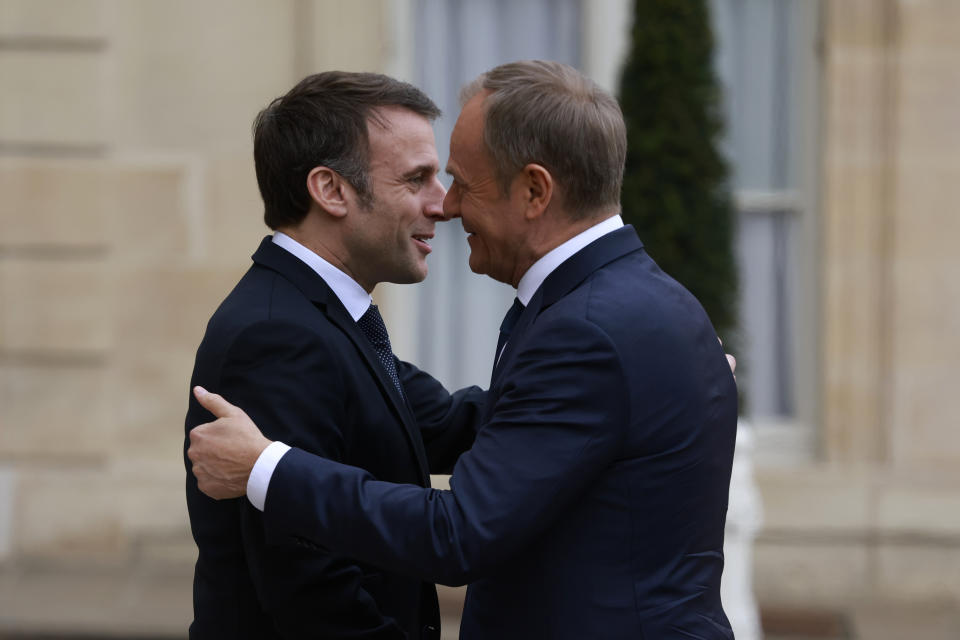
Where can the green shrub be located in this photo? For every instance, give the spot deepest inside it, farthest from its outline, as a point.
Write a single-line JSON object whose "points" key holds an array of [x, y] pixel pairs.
{"points": [[675, 189]]}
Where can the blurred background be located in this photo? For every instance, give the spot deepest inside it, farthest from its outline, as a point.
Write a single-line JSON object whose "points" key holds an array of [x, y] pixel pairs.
{"points": [[129, 208]]}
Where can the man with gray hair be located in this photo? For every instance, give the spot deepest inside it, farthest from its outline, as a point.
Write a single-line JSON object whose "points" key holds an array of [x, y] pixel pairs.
{"points": [[593, 500]]}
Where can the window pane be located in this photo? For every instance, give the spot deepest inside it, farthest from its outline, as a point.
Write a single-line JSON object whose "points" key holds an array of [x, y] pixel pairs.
{"points": [[761, 49], [764, 251]]}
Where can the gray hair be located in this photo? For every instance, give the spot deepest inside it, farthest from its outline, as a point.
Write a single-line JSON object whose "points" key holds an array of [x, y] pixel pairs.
{"points": [[550, 114]]}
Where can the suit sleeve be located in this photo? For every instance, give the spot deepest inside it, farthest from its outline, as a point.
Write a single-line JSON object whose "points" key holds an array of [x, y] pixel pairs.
{"points": [[559, 420], [271, 371], [448, 422]]}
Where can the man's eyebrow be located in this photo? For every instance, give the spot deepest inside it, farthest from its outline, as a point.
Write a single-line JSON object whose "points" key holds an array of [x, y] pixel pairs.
{"points": [[426, 167]]}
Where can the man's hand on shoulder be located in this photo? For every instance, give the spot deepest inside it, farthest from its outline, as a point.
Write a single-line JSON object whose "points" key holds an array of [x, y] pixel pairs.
{"points": [[224, 451], [730, 361]]}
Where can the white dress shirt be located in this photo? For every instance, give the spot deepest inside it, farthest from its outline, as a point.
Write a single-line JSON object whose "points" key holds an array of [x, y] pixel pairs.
{"points": [[352, 295], [263, 469], [543, 267]]}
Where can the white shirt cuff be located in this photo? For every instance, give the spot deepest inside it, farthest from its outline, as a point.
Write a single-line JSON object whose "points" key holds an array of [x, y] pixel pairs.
{"points": [[261, 473]]}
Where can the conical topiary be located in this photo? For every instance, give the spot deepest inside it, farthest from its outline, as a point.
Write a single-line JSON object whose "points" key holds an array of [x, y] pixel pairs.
{"points": [[675, 189]]}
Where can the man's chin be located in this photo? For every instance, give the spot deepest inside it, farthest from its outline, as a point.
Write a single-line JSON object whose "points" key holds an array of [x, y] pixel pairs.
{"points": [[410, 277], [484, 270], [476, 265]]}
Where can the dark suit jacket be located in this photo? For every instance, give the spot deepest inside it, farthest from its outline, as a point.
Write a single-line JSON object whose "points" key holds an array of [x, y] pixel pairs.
{"points": [[282, 346], [593, 501]]}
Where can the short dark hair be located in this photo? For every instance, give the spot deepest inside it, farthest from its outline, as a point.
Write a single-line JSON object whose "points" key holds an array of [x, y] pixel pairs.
{"points": [[322, 121], [549, 113]]}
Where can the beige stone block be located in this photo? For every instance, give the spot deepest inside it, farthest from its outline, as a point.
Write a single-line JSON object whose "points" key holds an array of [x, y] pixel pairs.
{"points": [[166, 307], [149, 403], [162, 313], [856, 170], [924, 572], [925, 310], [70, 515], [138, 209], [53, 18], [54, 410], [928, 24], [930, 508], [56, 306], [851, 386], [925, 313], [854, 199], [108, 511], [169, 555], [150, 210], [926, 222], [814, 500], [928, 101], [923, 419], [895, 620], [810, 572], [53, 203], [855, 108], [234, 220], [854, 23], [56, 98], [201, 89], [351, 36], [150, 492], [93, 602], [157, 514]]}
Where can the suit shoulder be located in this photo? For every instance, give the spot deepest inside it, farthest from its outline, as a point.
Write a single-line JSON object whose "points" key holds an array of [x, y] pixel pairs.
{"points": [[635, 290], [263, 295], [263, 301]]}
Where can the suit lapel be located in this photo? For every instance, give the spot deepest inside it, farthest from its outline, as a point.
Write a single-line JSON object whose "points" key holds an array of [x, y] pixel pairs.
{"points": [[564, 279], [339, 316], [591, 258], [319, 293]]}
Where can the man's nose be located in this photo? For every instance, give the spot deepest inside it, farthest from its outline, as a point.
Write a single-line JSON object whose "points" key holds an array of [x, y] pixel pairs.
{"points": [[434, 208], [451, 206]]}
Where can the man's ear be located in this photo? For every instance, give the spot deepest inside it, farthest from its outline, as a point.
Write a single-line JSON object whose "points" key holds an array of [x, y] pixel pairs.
{"points": [[537, 189], [328, 190]]}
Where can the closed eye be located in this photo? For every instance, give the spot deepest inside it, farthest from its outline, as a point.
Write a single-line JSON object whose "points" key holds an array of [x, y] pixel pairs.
{"points": [[420, 176]]}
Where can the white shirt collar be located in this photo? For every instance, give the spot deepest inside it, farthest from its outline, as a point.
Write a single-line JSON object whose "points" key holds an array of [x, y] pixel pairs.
{"points": [[543, 267], [354, 298]]}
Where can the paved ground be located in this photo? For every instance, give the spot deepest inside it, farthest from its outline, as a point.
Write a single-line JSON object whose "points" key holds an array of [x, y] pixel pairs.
{"points": [[108, 605], [868, 621]]}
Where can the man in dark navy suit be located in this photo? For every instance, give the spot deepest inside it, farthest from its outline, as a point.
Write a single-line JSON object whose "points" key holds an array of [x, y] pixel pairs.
{"points": [[347, 169], [592, 503]]}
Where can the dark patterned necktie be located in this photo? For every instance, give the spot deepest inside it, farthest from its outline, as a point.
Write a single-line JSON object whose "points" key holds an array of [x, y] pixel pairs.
{"points": [[506, 327], [372, 326]]}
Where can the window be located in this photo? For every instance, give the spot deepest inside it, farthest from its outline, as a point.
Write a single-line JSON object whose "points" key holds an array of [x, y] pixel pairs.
{"points": [[766, 61]]}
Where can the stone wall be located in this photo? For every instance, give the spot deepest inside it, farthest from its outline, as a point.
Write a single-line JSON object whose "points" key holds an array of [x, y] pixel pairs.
{"points": [[877, 515], [129, 208]]}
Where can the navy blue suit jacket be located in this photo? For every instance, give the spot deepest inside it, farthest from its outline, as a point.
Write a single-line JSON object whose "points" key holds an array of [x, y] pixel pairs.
{"points": [[593, 501], [282, 346]]}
